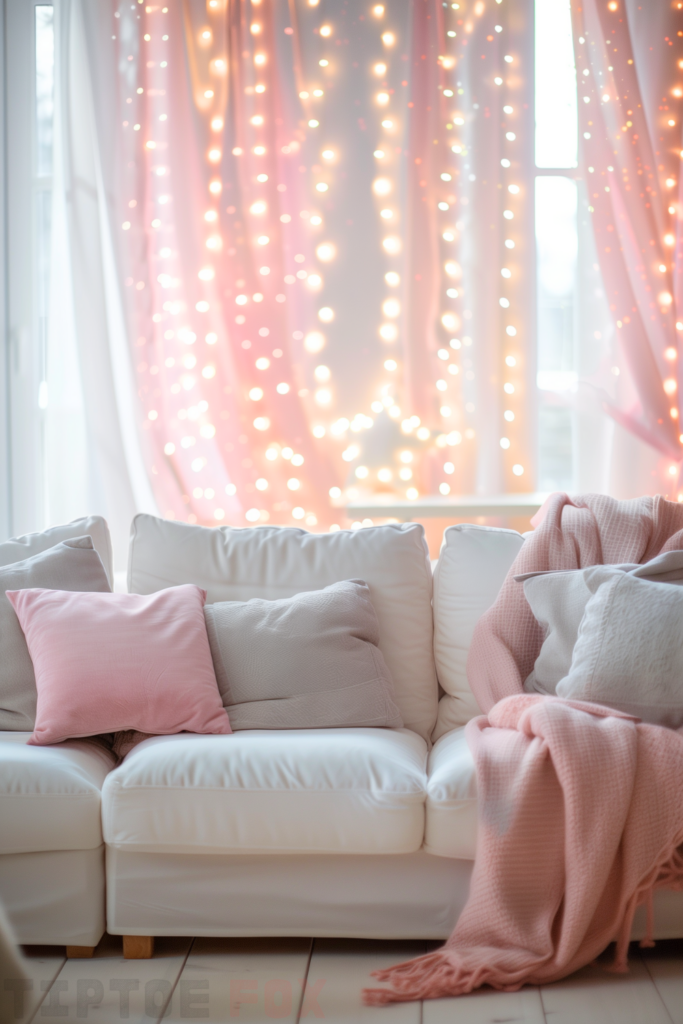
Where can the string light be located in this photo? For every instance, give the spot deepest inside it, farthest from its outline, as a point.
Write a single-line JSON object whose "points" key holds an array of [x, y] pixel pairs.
{"points": [[270, 216]]}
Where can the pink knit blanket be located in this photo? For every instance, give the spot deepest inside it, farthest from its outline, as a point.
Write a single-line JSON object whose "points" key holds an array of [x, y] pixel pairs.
{"points": [[581, 807]]}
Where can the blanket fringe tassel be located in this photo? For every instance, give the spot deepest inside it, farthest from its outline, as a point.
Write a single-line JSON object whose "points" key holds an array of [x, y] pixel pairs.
{"points": [[431, 976], [668, 875]]}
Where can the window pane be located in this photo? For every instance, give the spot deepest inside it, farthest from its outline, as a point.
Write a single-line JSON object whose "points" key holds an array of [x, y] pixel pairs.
{"points": [[43, 215], [556, 288], [45, 52], [44, 86], [555, 449], [556, 115]]}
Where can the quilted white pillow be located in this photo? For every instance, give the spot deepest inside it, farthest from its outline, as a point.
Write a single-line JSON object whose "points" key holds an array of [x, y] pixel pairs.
{"points": [[629, 652], [558, 601], [273, 562], [473, 563]]}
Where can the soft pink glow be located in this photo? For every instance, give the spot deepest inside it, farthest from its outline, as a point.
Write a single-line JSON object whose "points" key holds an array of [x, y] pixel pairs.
{"points": [[636, 159], [206, 332]]}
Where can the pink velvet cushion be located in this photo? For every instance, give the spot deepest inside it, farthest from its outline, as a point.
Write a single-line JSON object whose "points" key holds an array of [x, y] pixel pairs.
{"points": [[108, 662]]}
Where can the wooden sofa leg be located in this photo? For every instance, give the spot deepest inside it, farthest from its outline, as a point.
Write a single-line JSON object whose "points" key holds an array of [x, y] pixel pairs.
{"points": [[138, 947], [80, 952]]}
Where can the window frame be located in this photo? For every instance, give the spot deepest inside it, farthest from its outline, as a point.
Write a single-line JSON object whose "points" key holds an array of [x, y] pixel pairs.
{"points": [[5, 462], [574, 174], [22, 448]]}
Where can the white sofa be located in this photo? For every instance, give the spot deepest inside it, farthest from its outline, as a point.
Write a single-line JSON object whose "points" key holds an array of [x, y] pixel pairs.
{"points": [[367, 833]]}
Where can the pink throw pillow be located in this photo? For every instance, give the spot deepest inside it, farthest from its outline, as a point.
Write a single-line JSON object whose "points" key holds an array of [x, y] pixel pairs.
{"points": [[108, 662]]}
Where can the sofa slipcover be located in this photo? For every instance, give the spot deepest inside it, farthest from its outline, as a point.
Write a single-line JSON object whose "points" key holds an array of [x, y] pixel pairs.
{"points": [[273, 561], [54, 898], [404, 896], [50, 797], [51, 849], [300, 791], [451, 809]]}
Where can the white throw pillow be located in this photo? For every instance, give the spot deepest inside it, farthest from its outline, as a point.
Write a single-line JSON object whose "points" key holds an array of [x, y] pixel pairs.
{"points": [[629, 651], [305, 662], [273, 562], [558, 601]]}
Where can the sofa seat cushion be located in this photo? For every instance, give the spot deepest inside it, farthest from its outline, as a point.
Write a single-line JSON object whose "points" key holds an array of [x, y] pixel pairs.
{"points": [[50, 797], [451, 811], [298, 791]]}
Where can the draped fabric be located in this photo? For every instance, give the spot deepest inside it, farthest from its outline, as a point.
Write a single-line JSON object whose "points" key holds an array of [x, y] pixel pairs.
{"points": [[298, 240], [628, 59], [285, 230], [87, 313]]}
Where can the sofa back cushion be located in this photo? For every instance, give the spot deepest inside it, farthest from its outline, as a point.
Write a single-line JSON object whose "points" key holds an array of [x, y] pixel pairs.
{"points": [[272, 562], [18, 548], [71, 565], [473, 562]]}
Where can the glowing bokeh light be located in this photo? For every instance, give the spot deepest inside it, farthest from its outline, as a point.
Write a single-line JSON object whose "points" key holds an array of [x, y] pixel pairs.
{"points": [[314, 342], [326, 251]]}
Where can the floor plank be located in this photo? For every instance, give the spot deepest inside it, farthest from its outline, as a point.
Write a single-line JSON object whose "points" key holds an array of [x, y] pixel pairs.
{"points": [[486, 1007], [665, 966], [341, 968], [594, 995], [219, 978], [43, 964], [255, 980], [109, 988]]}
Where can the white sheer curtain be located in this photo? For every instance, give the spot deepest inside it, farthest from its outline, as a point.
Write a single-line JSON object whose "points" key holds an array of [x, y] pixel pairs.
{"points": [[89, 356]]}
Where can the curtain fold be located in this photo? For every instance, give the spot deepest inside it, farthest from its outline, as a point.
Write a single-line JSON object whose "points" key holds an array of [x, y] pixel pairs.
{"points": [[84, 207], [628, 73]]}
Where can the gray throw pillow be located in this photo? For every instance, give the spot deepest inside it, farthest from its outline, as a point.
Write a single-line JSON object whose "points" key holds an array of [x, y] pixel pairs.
{"points": [[305, 662], [558, 601], [629, 651], [18, 549], [71, 565]]}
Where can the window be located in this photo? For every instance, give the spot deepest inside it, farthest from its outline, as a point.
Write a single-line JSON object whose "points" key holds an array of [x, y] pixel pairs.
{"points": [[574, 328], [556, 210], [30, 102], [356, 363]]}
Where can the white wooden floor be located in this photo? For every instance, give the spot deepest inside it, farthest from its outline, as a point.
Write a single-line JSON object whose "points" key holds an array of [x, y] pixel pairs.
{"points": [[260, 980]]}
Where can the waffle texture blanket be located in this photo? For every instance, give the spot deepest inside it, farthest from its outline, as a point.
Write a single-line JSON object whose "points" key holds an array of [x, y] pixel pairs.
{"points": [[581, 807]]}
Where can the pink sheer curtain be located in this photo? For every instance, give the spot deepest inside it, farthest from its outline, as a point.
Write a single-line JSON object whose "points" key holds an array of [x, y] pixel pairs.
{"points": [[209, 194], [309, 206], [630, 84]]}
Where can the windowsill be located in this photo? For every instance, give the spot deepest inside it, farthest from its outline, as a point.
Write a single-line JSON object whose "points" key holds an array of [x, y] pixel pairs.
{"points": [[451, 506]]}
